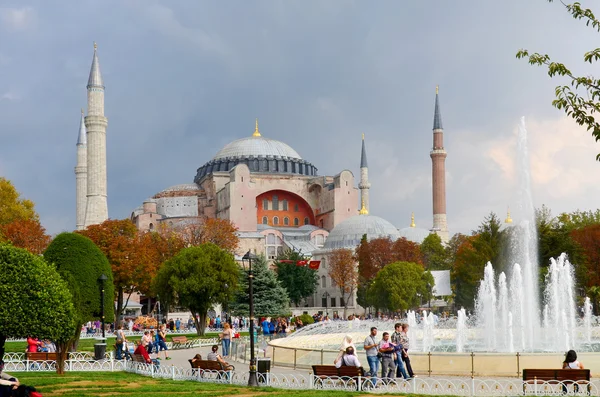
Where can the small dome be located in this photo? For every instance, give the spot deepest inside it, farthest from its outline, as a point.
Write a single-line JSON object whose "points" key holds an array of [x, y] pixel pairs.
{"points": [[256, 146], [348, 233], [414, 234]]}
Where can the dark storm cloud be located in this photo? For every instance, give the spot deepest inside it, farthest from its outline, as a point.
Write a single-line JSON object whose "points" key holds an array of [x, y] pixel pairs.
{"points": [[184, 78]]}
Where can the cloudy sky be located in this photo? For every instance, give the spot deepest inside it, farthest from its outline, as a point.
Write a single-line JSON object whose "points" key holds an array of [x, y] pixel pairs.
{"points": [[185, 78]]}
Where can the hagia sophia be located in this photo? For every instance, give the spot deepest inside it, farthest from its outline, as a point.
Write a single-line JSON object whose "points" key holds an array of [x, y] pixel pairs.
{"points": [[274, 196]]}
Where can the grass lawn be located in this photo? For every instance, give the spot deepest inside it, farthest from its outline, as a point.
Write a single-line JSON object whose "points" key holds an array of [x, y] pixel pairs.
{"points": [[88, 344], [85, 384]]}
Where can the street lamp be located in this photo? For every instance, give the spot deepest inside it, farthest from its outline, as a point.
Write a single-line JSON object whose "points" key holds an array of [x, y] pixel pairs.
{"points": [[252, 379], [102, 279], [326, 296]]}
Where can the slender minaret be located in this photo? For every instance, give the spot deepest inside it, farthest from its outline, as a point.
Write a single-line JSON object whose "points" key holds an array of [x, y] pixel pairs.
{"points": [[97, 209], [364, 184], [438, 159], [81, 175]]}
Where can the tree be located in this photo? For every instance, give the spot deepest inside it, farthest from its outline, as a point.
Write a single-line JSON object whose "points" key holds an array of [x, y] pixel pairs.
{"points": [[588, 238], [300, 282], [594, 295], [435, 256], [344, 273], [579, 98], [81, 263], [117, 239], [25, 233], [270, 298], [12, 206], [221, 232], [35, 300], [196, 279], [400, 286]]}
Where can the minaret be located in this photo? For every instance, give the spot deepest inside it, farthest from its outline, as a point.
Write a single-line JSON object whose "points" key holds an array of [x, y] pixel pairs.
{"points": [[438, 159], [364, 184], [97, 209], [81, 175]]}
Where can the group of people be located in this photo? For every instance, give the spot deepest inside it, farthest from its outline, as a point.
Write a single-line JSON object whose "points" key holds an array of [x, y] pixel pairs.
{"points": [[34, 345], [274, 326], [151, 341], [391, 352], [213, 356]]}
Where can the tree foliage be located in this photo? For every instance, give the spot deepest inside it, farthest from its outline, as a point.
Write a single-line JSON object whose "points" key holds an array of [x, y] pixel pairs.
{"points": [[221, 232], [196, 279], [12, 206], [343, 271], [35, 300], [25, 233], [81, 263], [270, 298], [300, 282], [400, 286], [435, 256], [579, 98]]}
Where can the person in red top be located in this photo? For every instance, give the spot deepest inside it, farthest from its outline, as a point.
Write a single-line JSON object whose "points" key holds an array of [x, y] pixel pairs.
{"points": [[141, 350], [32, 344]]}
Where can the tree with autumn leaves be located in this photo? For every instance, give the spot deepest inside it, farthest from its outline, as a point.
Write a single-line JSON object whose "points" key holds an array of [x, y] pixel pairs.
{"points": [[19, 223], [343, 272]]}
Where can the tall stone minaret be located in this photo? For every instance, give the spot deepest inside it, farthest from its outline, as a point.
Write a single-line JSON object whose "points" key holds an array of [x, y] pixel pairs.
{"points": [[364, 184], [97, 209], [81, 175], [438, 159]]}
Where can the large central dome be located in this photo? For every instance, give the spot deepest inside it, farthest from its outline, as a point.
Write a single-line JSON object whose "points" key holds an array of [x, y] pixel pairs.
{"points": [[348, 233], [260, 154], [257, 146]]}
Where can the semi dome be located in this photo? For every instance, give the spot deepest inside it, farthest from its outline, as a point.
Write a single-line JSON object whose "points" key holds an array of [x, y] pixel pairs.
{"points": [[260, 154], [414, 234], [256, 146], [348, 233]]}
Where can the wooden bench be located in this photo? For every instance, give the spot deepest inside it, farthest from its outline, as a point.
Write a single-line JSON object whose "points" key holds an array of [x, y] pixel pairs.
{"points": [[178, 341], [344, 374], [208, 367], [564, 377], [41, 356], [138, 358]]}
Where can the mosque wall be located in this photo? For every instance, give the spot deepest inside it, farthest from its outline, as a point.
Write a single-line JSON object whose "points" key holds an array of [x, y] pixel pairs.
{"points": [[281, 208], [177, 206], [241, 196]]}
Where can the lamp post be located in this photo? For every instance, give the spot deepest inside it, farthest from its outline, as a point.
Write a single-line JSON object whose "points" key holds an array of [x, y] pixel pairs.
{"points": [[102, 279], [252, 379], [326, 296]]}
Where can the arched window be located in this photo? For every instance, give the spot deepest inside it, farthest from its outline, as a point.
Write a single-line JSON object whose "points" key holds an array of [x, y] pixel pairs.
{"points": [[306, 220], [323, 281], [275, 203], [265, 220], [265, 204], [319, 240], [275, 221], [286, 221], [296, 221], [284, 205], [151, 226]]}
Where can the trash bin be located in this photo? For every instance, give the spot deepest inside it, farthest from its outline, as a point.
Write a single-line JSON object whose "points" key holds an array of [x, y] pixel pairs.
{"points": [[263, 367], [99, 349]]}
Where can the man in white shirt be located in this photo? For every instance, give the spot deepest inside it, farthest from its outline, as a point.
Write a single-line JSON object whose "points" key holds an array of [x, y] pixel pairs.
{"points": [[348, 359]]}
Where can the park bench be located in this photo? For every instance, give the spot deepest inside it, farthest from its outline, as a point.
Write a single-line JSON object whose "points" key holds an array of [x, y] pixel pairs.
{"points": [[211, 367], [138, 358], [343, 374], [563, 377], [179, 341], [41, 356]]}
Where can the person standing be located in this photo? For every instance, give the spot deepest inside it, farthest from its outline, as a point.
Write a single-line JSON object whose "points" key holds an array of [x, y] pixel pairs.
{"points": [[370, 346], [404, 353], [387, 356], [162, 343], [226, 339], [399, 349], [121, 340]]}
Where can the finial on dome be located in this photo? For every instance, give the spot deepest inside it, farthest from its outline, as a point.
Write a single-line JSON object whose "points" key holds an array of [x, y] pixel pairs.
{"points": [[95, 46], [82, 111], [508, 218], [412, 220], [363, 210], [437, 89], [363, 136], [256, 131]]}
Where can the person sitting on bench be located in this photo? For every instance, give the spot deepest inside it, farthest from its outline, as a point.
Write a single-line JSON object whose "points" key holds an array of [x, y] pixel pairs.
{"points": [[215, 356], [141, 350], [349, 359]]}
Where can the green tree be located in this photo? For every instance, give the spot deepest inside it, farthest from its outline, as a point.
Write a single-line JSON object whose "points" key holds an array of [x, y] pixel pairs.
{"points": [[81, 263], [270, 298], [35, 300], [579, 97], [435, 256], [300, 282], [196, 279], [12, 206], [400, 286]]}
